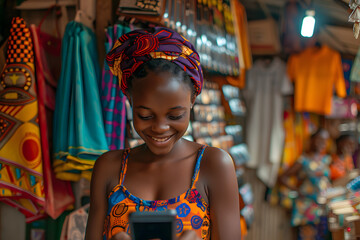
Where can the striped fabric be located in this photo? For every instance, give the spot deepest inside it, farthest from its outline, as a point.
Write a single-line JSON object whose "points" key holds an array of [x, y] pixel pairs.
{"points": [[112, 99]]}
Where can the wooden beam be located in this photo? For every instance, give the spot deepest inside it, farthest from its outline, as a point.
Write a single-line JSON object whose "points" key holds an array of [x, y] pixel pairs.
{"points": [[342, 3], [103, 19]]}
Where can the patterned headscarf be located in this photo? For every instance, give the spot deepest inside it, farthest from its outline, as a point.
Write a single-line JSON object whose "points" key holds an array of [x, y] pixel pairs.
{"points": [[139, 46]]}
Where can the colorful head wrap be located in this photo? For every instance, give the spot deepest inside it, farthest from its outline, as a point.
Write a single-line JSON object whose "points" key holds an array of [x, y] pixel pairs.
{"points": [[139, 46]]}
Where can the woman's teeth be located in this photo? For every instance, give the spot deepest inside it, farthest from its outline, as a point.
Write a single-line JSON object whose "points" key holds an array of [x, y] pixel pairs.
{"points": [[160, 139]]}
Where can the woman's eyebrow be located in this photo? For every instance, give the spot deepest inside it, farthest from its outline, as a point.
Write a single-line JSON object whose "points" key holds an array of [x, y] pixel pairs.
{"points": [[177, 107], [142, 107], [173, 108]]}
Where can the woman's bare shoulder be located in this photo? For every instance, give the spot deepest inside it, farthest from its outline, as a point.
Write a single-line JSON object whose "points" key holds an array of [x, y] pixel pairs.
{"points": [[215, 157], [108, 164], [216, 165], [109, 158]]}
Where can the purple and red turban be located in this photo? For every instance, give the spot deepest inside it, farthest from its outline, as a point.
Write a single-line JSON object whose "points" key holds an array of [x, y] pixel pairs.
{"points": [[139, 46]]}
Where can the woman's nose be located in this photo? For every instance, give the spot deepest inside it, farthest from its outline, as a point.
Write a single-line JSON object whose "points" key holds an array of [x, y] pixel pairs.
{"points": [[160, 126]]}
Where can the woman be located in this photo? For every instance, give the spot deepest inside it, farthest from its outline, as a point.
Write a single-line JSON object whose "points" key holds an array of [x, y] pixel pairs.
{"points": [[313, 177], [161, 76], [342, 162]]}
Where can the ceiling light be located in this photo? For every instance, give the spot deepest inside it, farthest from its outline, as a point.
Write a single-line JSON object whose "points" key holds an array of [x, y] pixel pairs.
{"points": [[308, 24]]}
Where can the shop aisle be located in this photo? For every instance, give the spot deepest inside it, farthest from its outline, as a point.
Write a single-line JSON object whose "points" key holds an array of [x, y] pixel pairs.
{"points": [[270, 222]]}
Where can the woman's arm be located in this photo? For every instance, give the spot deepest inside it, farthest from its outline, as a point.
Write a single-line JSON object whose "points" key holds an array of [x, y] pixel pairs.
{"points": [[98, 200], [223, 195], [292, 171]]}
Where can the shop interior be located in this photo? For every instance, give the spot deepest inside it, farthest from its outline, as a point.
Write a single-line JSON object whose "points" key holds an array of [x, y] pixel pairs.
{"points": [[281, 96]]}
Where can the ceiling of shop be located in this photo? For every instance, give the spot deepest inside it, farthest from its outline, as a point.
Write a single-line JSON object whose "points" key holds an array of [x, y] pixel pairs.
{"points": [[334, 12], [335, 29]]}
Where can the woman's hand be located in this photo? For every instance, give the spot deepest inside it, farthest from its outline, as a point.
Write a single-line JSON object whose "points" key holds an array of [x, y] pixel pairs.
{"points": [[189, 235], [121, 236]]}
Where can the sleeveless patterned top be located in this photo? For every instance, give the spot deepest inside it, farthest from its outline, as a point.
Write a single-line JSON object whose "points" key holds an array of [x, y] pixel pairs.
{"points": [[192, 210]]}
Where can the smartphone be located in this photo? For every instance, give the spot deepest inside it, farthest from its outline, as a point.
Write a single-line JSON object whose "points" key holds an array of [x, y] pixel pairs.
{"points": [[153, 225]]}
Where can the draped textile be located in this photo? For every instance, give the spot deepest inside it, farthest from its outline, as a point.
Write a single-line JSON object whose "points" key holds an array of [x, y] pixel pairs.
{"points": [[112, 98], [79, 135], [47, 49], [21, 167]]}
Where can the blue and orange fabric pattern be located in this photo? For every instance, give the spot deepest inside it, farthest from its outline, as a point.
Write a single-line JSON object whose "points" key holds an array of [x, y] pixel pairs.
{"points": [[316, 173], [192, 210]]}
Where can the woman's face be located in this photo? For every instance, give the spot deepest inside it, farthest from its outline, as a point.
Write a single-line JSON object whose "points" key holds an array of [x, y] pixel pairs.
{"points": [[161, 110], [319, 143]]}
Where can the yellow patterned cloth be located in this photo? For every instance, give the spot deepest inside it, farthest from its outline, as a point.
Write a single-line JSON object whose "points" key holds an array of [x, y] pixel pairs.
{"points": [[21, 169]]}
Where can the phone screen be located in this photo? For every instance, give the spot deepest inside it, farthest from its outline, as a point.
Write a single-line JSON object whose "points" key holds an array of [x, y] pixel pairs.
{"points": [[153, 225], [152, 231]]}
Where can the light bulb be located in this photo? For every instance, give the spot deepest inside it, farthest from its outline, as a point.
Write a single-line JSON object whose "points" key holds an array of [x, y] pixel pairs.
{"points": [[308, 24]]}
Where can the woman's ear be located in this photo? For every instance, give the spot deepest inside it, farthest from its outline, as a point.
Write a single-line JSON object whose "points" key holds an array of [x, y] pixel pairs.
{"points": [[193, 98], [128, 96]]}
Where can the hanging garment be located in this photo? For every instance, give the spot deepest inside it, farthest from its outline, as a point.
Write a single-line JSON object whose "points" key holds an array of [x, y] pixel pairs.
{"points": [[355, 70], [74, 226], [347, 67], [316, 72], [21, 167], [79, 135], [47, 49], [112, 98], [267, 83]]}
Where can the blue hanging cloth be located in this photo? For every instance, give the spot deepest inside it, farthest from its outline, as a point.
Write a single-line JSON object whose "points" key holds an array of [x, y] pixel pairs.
{"points": [[79, 134]]}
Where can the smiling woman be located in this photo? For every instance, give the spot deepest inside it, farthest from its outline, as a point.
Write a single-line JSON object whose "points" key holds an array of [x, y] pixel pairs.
{"points": [[161, 76]]}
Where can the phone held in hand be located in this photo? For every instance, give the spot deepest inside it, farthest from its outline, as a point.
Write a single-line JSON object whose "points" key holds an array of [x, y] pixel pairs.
{"points": [[159, 225]]}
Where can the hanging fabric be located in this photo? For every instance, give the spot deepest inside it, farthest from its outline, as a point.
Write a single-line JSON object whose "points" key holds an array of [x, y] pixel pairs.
{"points": [[21, 167], [112, 98], [74, 226], [79, 135], [47, 48], [267, 84]]}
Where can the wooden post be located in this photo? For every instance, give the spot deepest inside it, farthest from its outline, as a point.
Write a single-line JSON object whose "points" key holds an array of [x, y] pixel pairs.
{"points": [[103, 19]]}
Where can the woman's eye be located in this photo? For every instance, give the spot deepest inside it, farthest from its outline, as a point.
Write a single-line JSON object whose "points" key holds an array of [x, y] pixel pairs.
{"points": [[176, 117], [144, 117]]}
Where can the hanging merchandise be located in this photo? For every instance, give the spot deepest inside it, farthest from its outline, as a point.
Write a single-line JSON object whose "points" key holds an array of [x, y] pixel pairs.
{"points": [[208, 125], [153, 7], [355, 16], [355, 69], [266, 86], [112, 99], [243, 45], [75, 224], [47, 49], [291, 41], [21, 167], [316, 72], [79, 135], [347, 67]]}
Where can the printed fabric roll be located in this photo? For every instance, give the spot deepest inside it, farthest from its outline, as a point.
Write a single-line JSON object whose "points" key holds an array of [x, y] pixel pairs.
{"points": [[79, 134], [21, 166]]}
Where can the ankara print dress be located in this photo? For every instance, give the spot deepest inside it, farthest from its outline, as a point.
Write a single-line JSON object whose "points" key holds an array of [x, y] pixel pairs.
{"points": [[193, 213]]}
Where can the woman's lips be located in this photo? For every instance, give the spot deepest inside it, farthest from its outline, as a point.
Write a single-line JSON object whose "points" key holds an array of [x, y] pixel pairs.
{"points": [[160, 140]]}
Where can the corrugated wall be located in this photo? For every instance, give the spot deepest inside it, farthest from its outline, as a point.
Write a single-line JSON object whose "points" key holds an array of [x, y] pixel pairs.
{"points": [[270, 222]]}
